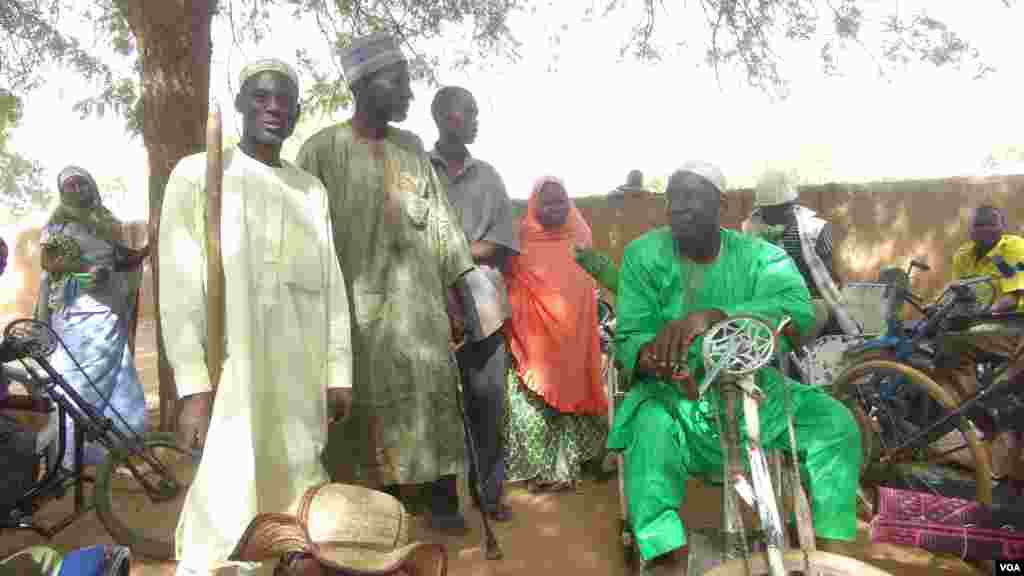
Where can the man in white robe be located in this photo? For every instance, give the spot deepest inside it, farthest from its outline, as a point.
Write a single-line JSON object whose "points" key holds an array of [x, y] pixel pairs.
{"points": [[288, 354]]}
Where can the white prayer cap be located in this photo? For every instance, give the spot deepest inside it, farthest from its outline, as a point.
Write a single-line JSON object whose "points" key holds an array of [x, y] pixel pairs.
{"points": [[774, 187], [369, 54], [268, 65], [707, 171]]}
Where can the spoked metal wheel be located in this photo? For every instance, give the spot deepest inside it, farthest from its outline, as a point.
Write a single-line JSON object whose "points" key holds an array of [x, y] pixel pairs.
{"points": [[816, 562], [30, 338], [891, 402], [139, 502]]}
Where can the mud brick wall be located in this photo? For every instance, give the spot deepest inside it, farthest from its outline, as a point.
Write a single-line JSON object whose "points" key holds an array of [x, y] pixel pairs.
{"points": [[875, 225]]}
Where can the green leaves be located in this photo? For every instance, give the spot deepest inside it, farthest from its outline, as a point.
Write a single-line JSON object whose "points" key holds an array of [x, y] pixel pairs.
{"points": [[10, 114], [120, 97], [33, 39], [744, 34], [21, 185]]}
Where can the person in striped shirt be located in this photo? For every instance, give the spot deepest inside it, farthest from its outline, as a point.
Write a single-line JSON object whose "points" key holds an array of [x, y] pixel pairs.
{"points": [[779, 218]]}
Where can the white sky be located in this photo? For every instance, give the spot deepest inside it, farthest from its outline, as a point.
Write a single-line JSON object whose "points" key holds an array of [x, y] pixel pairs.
{"points": [[593, 118]]}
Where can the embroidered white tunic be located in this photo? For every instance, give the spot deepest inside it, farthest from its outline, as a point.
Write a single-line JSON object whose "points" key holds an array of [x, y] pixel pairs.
{"points": [[288, 341]]}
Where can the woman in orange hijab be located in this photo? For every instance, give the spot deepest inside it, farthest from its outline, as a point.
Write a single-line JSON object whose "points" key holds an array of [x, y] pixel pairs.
{"points": [[556, 397]]}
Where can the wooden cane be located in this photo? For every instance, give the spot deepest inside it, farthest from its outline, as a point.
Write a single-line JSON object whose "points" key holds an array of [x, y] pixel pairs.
{"points": [[214, 258]]}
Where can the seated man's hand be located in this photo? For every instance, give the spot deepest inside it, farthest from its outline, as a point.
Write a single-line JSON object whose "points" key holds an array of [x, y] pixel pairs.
{"points": [[194, 420], [672, 343], [1007, 303]]}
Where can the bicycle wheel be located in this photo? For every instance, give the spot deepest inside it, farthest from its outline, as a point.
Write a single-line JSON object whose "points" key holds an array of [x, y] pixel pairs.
{"points": [[145, 521], [891, 401], [822, 562]]}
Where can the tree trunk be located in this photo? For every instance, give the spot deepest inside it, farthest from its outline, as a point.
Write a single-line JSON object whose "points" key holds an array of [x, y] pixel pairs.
{"points": [[174, 43]]}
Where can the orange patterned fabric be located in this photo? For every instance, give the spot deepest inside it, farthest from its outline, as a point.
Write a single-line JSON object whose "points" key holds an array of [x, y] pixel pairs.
{"points": [[553, 331]]}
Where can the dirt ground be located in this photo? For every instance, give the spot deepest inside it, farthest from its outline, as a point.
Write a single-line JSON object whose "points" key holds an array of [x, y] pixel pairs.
{"points": [[565, 534]]}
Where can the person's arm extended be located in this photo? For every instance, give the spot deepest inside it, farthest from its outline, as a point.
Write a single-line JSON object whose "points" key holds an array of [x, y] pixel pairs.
{"points": [[182, 300], [129, 258], [1008, 302], [1012, 288], [456, 257], [599, 266], [489, 253], [339, 329], [504, 227]]}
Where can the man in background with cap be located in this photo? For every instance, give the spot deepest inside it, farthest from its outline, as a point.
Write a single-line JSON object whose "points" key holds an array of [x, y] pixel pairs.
{"points": [[675, 282], [477, 194], [807, 238], [401, 248], [288, 341]]}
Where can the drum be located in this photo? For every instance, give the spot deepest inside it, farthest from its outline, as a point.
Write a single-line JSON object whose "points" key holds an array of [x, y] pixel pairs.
{"points": [[822, 360], [865, 303]]}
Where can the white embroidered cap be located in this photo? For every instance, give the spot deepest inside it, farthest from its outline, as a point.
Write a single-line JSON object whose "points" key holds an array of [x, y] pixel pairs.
{"points": [[268, 65]]}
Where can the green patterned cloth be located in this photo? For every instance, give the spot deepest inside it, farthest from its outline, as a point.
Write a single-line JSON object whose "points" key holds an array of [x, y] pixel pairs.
{"points": [[400, 247], [544, 444]]}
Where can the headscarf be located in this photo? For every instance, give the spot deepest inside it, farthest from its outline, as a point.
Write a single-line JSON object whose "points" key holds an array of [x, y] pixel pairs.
{"points": [[553, 333], [574, 228], [89, 212], [369, 54]]}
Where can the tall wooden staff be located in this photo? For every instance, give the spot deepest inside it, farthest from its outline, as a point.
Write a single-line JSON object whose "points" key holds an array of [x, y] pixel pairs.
{"points": [[214, 258]]}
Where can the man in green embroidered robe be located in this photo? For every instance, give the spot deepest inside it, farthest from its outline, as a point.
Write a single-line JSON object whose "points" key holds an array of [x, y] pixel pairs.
{"points": [[675, 282], [400, 248]]}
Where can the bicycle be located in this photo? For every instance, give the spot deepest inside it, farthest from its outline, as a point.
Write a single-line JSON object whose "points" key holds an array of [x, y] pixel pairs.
{"points": [[900, 409], [160, 469]]}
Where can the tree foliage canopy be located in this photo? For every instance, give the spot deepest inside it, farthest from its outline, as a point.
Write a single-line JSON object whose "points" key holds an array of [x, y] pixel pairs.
{"points": [[36, 39], [21, 185], [745, 35]]}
